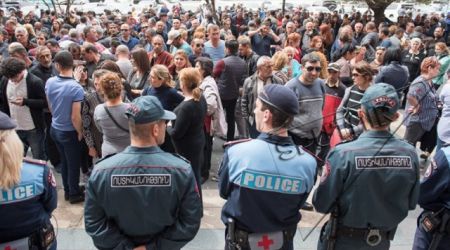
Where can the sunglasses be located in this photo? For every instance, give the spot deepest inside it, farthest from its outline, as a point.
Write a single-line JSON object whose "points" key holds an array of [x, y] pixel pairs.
{"points": [[85, 70], [200, 44], [144, 27], [311, 68]]}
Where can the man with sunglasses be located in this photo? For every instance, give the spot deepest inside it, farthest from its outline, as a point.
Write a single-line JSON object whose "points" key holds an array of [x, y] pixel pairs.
{"points": [[197, 46], [310, 90], [126, 39]]}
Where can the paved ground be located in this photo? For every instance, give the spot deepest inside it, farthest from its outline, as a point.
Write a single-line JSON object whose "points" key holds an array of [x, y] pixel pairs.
{"points": [[71, 235]]}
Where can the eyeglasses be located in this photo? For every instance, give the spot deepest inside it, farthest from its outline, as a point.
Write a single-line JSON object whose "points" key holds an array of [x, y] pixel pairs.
{"points": [[124, 30], [311, 68], [200, 44]]}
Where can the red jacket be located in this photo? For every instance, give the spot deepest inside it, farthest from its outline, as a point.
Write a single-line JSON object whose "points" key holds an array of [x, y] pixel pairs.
{"points": [[333, 98]]}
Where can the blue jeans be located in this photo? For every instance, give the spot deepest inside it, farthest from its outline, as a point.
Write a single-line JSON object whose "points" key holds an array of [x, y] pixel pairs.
{"points": [[69, 148], [34, 139]]}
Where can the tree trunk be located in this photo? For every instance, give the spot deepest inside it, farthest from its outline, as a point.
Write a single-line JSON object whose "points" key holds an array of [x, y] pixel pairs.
{"points": [[212, 6], [284, 6], [378, 14]]}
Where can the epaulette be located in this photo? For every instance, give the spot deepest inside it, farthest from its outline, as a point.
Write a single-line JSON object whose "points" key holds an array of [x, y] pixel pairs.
{"points": [[314, 155], [230, 143], [35, 161], [104, 158], [181, 157]]}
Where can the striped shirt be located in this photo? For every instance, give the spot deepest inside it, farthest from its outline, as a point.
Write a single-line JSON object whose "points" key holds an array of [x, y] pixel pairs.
{"points": [[352, 105], [426, 96]]}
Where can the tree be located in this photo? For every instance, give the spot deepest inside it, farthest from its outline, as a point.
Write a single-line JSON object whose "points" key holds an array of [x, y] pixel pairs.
{"points": [[379, 6], [212, 7]]}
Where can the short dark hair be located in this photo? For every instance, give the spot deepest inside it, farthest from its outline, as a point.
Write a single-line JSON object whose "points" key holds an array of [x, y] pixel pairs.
{"points": [[115, 42], [385, 31], [11, 67], [64, 59], [52, 42], [232, 45], [393, 54], [279, 119], [207, 65], [311, 58]]}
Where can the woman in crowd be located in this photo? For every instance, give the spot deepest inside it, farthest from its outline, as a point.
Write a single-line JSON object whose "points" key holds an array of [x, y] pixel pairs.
{"points": [[280, 60], [187, 133], [442, 54], [139, 75], [428, 46], [162, 87], [293, 40], [420, 117], [360, 53], [443, 128], [110, 116], [180, 61], [23, 217], [91, 134], [292, 67], [214, 106], [323, 64], [80, 74], [56, 28], [317, 44], [379, 57], [31, 34], [412, 58], [127, 95], [393, 72], [327, 38], [347, 118], [344, 55]]}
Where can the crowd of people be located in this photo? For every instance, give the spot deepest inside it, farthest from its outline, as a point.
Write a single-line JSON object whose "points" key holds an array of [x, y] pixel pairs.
{"points": [[81, 87]]}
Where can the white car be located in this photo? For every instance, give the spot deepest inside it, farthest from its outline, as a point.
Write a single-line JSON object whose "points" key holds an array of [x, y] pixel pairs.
{"points": [[391, 11]]}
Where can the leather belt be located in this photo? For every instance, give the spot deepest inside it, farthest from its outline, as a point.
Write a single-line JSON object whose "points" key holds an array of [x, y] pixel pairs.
{"points": [[364, 233]]}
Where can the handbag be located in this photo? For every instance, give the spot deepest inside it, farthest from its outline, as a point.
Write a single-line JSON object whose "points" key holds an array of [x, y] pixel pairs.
{"points": [[114, 120]]}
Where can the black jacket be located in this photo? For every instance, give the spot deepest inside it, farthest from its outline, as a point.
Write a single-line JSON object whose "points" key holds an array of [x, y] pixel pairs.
{"points": [[44, 73], [251, 62], [36, 101]]}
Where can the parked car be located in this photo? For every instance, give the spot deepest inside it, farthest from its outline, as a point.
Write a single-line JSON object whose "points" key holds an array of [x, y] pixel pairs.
{"points": [[331, 5]]}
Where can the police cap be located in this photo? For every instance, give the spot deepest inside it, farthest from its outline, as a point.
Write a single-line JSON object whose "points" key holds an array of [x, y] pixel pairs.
{"points": [[147, 109], [281, 98], [6, 122], [381, 95]]}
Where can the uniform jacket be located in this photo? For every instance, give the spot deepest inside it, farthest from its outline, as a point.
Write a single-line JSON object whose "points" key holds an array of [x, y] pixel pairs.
{"points": [[36, 100], [435, 188], [287, 176], [249, 94], [382, 195], [27, 211], [142, 191]]}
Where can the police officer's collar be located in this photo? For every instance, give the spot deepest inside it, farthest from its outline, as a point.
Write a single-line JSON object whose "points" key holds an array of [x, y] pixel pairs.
{"points": [[376, 133], [138, 150], [276, 139]]}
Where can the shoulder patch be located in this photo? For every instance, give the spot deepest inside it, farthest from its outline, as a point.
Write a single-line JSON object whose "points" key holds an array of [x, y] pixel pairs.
{"points": [[326, 171], [314, 155], [181, 157], [51, 178], [230, 143], [429, 171], [34, 161], [104, 158]]}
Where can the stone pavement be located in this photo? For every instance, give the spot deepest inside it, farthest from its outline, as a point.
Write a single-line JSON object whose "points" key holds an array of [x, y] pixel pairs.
{"points": [[69, 220]]}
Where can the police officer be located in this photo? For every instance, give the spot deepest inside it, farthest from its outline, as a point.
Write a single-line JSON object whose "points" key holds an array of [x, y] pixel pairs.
{"points": [[143, 197], [435, 200], [267, 180], [374, 179], [28, 195]]}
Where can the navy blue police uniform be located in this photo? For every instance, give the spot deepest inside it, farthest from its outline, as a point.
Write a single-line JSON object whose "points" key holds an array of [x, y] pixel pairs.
{"points": [[434, 197], [265, 182], [142, 196], [380, 176], [26, 208]]}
